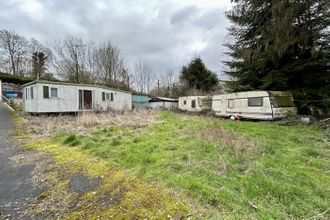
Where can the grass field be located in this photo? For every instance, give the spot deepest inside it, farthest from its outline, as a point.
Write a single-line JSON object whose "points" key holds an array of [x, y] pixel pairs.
{"points": [[233, 169]]}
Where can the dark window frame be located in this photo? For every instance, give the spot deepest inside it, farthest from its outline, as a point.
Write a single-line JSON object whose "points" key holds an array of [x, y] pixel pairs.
{"points": [[103, 96], [255, 105], [31, 92], [231, 101], [193, 103], [51, 95], [184, 102], [111, 97], [46, 92]]}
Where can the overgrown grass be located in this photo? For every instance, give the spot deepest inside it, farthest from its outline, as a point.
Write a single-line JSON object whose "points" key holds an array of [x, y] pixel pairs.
{"points": [[242, 170], [119, 195]]}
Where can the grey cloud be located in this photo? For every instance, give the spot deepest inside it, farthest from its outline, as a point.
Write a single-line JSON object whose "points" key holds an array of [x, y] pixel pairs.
{"points": [[160, 33], [184, 15]]}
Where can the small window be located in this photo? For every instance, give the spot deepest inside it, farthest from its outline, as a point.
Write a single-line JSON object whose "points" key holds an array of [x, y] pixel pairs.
{"points": [[46, 92], [111, 97], [253, 102], [184, 102], [53, 92], [231, 104], [103, 96], [108, 96], [26, 93], [193, 103], [31, 92]]}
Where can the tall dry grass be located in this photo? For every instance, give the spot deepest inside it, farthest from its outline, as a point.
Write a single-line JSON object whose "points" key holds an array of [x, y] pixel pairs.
{"points": [[50, 125]]}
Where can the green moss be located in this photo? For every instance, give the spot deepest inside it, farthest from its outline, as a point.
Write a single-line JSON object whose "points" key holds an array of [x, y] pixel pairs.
{"points": [[134, 198]]}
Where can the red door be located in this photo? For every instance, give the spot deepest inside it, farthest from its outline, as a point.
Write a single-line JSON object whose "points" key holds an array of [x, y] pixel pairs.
{"points": [[85, 99], [88, 99]]}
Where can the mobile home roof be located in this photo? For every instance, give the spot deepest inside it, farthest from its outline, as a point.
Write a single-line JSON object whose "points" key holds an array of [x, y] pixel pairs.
{"points": [[72, 84]]}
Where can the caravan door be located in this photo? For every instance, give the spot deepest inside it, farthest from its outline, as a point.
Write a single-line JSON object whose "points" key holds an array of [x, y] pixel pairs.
{"points": [[219, 105]]}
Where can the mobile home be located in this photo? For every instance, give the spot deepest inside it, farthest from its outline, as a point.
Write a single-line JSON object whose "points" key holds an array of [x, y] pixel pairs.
{"points": [[195, 103], [264, 105], [56, 97]]}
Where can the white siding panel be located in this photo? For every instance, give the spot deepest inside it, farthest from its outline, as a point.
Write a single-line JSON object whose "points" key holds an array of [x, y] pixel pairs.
{"points": [[68, 99]]}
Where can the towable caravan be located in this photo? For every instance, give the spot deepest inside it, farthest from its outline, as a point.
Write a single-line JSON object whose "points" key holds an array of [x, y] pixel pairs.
{"points": [[263, 105], [195, 103]]}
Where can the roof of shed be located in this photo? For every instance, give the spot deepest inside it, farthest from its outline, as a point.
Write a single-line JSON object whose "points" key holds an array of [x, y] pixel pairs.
{"points": [[163, 99], [72, 84]]}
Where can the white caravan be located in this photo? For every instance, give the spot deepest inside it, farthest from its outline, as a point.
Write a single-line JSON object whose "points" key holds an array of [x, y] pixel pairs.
{"points": [[195, 103], [263, 105], [57, 97]]}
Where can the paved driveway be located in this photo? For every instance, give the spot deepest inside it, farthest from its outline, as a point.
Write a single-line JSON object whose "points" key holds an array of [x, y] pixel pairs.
{"points": [[15, 181]]}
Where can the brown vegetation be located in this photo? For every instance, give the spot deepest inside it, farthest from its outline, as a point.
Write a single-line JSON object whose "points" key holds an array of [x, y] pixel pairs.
{"points": [[51, 125]]}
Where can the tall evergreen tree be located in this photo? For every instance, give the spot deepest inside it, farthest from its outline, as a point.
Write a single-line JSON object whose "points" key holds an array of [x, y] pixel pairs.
{"points": [[197, 76], [281, 45]]}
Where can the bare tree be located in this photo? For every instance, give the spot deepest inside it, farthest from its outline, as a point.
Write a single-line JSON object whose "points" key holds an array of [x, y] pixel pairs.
{"points": [[144, 77], [13, 51], [82, 62], [111, 65], [69, 59], [169, 81]]}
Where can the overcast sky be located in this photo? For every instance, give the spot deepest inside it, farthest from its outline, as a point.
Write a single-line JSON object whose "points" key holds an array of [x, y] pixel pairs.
{"points": [[165, 34]]}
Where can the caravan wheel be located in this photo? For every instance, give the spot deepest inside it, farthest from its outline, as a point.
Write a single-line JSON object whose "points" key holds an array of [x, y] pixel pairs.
{"points": [[232, 117]]}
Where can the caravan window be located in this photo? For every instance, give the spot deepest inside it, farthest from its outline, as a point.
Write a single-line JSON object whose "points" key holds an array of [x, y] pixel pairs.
{"points": [[253, 102], [230, 103], [282, 101], [184, 102], [193, 103], [108, 96], [103, 96], [111, 97], [53, 92], [31, 92], [46, 92]]}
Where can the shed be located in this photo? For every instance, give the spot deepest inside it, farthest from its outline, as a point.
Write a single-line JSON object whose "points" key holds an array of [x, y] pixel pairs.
{"points": [[163, 103], [140, 101], [54, 97], [195, 103]]}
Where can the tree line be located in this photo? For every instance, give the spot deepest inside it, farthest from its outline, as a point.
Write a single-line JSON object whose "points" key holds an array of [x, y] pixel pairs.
{"points": [[282, 45], [75, 60]]}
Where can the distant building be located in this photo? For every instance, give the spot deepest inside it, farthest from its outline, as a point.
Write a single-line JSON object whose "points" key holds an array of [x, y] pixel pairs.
{"points": [[140, 101], [53, 97], [163, 103]]}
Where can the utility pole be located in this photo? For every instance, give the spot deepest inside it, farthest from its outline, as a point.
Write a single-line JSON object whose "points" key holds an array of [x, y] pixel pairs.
{"points": [[77, 67], [158, 87]]}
